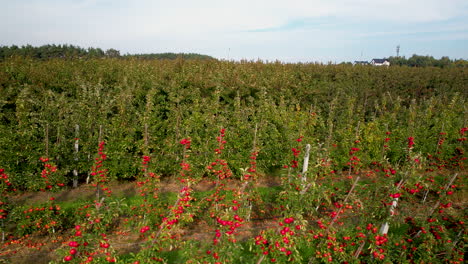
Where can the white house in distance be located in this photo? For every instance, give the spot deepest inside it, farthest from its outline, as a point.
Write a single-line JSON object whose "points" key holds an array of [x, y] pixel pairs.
{"points": [[380, 62]]}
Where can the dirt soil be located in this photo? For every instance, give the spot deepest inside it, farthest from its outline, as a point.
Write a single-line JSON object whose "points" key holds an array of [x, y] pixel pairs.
{"points": [[42, 249]]}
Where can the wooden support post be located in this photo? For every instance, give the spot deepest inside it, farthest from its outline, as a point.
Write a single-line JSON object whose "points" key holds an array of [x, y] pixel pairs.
{"points": [[344, 202], [260, 260], [445, 190], [437, 204]]}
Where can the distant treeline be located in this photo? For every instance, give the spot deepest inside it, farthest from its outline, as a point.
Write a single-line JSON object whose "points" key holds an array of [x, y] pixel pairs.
{"points": [[427, 61], [53, 51], [170, 56]]}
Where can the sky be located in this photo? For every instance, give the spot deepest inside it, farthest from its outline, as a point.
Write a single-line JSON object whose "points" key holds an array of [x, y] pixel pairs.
{"points": [[268, 30]]}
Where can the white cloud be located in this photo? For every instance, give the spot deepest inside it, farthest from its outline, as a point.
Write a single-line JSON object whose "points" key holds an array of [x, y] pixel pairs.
{"points": [[210, 26], [156, 16], [405, 11]]}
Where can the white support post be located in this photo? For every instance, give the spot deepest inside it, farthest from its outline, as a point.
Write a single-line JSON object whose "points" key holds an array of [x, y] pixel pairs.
{"points": [[77, 147], [305, 166], [385, 226]]}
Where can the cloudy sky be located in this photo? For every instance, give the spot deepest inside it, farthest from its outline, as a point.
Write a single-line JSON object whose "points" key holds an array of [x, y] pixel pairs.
{"points": [[290, 31]]}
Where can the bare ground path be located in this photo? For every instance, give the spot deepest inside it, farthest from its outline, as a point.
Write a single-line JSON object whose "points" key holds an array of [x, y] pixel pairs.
{"points": [[42, 249]]}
